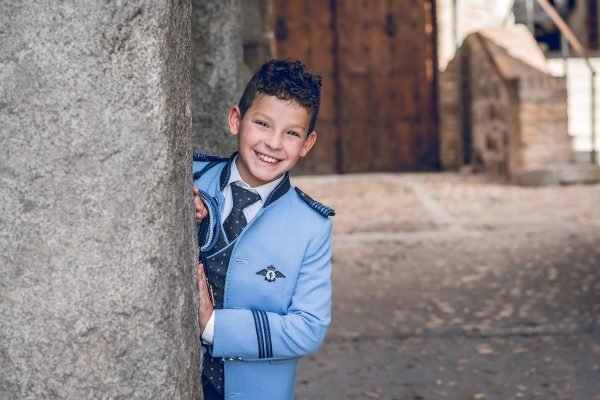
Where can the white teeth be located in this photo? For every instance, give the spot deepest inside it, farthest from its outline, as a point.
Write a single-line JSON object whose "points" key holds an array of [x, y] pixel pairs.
{"points": [[267, 158]]}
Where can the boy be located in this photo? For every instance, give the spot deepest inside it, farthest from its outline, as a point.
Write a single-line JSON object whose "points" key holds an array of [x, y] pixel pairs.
{"points": [[268, 276]]}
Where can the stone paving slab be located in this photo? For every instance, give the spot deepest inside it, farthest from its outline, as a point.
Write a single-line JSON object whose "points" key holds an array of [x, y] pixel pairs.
{"points": [[519, 367], [454, 272]]}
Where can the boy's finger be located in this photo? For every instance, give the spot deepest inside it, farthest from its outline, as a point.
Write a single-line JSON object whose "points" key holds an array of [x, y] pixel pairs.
{"points": [[200, 275], [198, 204], [196, 191]]}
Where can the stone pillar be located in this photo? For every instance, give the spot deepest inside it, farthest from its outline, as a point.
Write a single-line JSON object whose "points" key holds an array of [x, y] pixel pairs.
{"points": [[218, 73], [97, 290]]}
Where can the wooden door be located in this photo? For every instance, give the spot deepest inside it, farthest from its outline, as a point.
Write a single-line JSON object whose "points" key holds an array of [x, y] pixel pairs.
{"points": [[377, 57]]}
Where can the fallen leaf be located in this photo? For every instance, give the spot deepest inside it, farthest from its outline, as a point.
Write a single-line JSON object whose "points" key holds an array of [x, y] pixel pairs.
{"points": [[484, 349]]}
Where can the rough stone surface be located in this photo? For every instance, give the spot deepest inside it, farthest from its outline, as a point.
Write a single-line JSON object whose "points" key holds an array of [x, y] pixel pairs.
{"points": [[257, 32], [218, 72], [96, 235]]}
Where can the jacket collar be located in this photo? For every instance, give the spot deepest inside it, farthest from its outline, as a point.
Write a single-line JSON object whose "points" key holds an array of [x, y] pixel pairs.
{"points": [[277, 192]]}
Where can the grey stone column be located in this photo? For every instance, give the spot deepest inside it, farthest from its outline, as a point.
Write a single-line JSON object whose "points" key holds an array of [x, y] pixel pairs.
{"points": [[218, 72], [97, 282]]}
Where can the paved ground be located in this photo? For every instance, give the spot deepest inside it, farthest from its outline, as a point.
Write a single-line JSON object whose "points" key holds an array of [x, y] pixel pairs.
{"points": [[449, 287]]}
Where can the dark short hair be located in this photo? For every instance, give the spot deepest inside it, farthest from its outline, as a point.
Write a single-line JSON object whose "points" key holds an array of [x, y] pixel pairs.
{"points": [[287, 80]]}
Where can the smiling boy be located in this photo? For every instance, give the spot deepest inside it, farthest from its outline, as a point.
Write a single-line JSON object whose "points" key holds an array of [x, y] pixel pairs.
{"points": [[268, 296]]}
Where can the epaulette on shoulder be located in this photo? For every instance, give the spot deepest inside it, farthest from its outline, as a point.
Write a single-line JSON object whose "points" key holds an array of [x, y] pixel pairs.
{"points": [[207, 157], [315, 205], [212, 161]]}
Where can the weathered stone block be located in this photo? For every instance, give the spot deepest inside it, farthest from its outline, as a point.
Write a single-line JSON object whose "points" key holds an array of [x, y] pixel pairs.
{"points": [[97, 293], [516, 112], [218, 73]]}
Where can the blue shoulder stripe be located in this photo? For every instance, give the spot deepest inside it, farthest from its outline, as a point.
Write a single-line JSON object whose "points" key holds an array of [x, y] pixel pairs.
{"points": [[319, 207], [208, 157]]}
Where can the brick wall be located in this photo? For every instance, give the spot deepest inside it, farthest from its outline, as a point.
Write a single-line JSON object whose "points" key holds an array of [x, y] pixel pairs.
{"points": [[543, 121]]}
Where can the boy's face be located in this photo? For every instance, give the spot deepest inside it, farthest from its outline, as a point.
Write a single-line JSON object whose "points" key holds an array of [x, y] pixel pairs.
{"points": [[272, 136]]}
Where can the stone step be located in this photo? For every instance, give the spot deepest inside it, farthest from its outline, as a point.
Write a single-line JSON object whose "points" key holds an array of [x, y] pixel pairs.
{"points": [[584, 157], [561, 174]]}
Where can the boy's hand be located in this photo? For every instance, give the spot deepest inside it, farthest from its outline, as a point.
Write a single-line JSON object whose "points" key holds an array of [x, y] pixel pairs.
{"points": [[201, 211], [205, 307]]}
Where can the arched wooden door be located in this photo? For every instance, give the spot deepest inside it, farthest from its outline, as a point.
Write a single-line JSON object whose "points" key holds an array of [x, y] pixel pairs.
{"points": [[379, 105]]}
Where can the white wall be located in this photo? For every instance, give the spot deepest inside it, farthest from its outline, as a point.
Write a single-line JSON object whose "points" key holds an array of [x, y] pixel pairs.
{"points": [[472, 15]]}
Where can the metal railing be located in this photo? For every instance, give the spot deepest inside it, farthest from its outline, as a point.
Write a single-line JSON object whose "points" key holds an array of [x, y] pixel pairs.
{"points": [[579, 49]]}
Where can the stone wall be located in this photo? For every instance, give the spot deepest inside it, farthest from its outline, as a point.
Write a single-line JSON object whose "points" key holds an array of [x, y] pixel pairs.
{"points": [[218, 72], [97, 291], [257, 33], [516, 112]]}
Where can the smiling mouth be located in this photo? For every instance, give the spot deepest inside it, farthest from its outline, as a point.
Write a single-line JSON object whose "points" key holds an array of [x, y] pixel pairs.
{"points": [[266, 158]]}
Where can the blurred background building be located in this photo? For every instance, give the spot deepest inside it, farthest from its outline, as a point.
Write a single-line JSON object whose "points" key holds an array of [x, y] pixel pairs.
{"points": [[393, 82]]}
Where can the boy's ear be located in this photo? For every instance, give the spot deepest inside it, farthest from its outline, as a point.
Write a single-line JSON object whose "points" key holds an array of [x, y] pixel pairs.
{"points": [[308, 143], [234, 118]]}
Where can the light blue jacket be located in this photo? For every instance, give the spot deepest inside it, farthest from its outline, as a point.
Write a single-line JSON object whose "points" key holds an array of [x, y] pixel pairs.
{"points": [[277, 291]]}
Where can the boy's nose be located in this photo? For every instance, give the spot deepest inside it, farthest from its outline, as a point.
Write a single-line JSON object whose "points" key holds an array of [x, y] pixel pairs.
{"points": [[274, 141]]}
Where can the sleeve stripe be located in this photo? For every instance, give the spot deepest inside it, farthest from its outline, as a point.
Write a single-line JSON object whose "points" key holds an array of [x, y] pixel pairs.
{"points": [[269, 345], [259, 337], [263, 334]]}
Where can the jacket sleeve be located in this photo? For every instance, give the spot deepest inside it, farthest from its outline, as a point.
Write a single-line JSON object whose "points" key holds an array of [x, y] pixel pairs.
{"points": [[254, 334]]}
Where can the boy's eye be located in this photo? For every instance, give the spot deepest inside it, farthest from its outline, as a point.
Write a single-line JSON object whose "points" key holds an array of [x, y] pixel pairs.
{"points": [[261, 123], [294, 133]]}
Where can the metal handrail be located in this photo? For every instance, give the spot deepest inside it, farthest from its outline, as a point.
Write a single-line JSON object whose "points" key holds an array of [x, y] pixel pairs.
{"points": [[580, 50], [460, 151]]}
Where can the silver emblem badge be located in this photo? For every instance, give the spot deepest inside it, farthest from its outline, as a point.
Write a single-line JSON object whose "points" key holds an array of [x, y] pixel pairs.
{"points": [[270, 273]]}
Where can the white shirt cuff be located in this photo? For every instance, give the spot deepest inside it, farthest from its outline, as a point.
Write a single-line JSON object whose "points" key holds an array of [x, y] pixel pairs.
{"points": [[209, 329]]}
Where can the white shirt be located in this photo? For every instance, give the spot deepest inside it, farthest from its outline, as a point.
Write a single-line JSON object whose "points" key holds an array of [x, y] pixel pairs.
{"points": [[249, 212], [263, 191]]}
